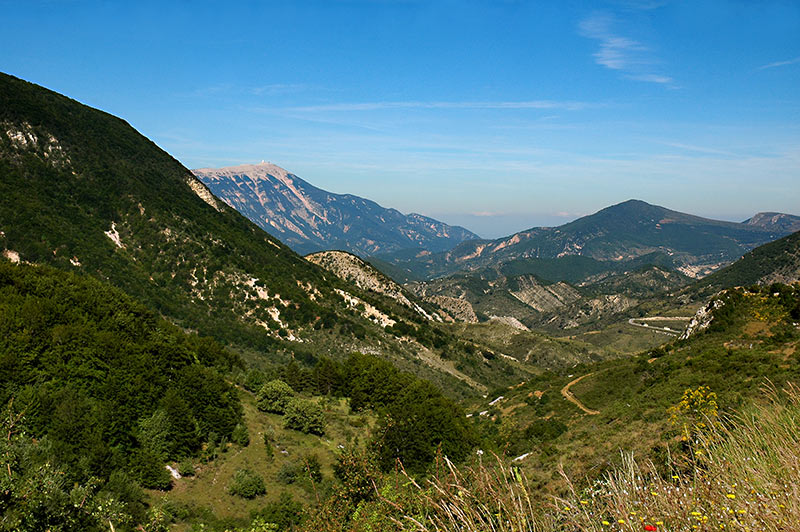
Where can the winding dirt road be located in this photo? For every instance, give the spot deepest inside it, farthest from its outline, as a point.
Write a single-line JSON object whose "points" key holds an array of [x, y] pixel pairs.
{"points": [[568, 395]]}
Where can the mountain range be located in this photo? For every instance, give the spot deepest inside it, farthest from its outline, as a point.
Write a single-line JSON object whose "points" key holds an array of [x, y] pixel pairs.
{"points": [[629, 231], [309, 219]]}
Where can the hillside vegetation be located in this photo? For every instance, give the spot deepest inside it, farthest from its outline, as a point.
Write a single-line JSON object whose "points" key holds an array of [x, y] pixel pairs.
{"points": [[108, 390]]}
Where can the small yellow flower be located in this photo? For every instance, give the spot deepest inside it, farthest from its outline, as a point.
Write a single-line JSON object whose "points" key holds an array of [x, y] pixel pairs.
{"points": [[621, 521], [731, 496], [606, 523]]}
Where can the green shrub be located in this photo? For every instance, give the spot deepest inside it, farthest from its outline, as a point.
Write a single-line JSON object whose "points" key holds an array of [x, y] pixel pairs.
{"points": [[543, 430], [247, 484], [288, 473], [312, 469], [240, 436], [305, 416], [274, 396], [149, 470], [254, 380], [186, 468], [285, 512]]}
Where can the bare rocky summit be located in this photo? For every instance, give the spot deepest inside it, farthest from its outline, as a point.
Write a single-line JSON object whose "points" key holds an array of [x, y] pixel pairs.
{"points": [[309, 219]]}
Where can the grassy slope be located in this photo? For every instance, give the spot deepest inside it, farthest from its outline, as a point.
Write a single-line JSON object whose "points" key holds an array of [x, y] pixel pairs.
{"points": [[758, 342], [205, 494]]}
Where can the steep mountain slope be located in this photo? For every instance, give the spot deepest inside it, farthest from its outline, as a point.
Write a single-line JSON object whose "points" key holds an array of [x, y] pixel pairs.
{"points": [[109, 389], [309, 219], [83, 191], [629, 230]]}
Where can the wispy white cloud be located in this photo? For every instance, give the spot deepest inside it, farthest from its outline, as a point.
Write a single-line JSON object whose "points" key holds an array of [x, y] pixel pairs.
{"points": [[376, 106], [780, 63], [618, 52]]}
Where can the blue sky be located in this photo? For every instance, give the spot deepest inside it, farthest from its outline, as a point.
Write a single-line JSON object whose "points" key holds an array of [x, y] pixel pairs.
{"points": [[498, 115]]}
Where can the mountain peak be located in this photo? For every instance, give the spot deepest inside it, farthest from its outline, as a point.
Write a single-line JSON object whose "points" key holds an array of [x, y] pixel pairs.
{"points": [[310, 219], [775, 221], [262, 171]]}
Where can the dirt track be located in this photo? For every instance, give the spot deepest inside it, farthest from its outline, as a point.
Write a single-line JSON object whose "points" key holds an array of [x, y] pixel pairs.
{"points": [[572, 399]]}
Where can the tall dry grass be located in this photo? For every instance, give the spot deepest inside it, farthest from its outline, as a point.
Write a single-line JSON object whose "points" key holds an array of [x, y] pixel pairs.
{"points": [[742, 474]]}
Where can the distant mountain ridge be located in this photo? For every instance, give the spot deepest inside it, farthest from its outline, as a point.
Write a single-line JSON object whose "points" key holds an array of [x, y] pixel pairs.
{"points": [[775, 221], [696, 246], [309, 219]]}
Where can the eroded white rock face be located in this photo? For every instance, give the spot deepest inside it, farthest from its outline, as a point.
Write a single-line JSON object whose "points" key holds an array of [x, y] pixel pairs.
{"points": [[113, 234], [353, 269], [204, 194], [369, 312], [24, 138], [702, 319]]}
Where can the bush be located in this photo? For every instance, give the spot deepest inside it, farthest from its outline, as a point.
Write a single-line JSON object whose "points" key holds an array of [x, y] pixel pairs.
{"points": [[543, 430], [149, 470], [305, 468], [285, 512], [274, 396], [247, 484], [254, 380], [312, 469], [305, 416], [240, 436], [186, 468], [288, 473]]}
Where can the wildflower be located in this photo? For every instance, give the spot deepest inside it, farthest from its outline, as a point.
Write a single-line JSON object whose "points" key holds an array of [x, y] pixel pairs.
{"points": [[650, 528], [606, 523], [731, 496]]}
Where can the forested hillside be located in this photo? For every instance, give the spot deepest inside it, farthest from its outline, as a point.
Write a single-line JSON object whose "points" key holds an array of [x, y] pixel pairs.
{"points": [[108, 392]]}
